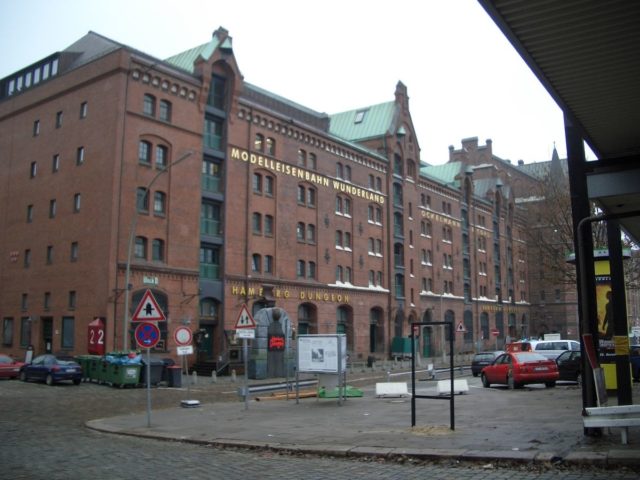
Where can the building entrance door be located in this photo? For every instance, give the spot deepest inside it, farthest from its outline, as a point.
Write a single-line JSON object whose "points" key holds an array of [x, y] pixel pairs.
{"points": [[47, 334], [205, 345]]}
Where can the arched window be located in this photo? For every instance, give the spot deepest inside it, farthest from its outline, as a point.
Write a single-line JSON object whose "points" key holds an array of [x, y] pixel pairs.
{"points": [[140, 249], [142, 200], [157, 250], [302, 158], [307, 319], [149, 105], [144, 152], [162, 156], [258, 142], [271, 146], [165, 110], [159, 203]]}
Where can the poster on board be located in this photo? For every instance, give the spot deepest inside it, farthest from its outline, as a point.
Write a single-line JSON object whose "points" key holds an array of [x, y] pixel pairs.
{"points": [[319, 353]]}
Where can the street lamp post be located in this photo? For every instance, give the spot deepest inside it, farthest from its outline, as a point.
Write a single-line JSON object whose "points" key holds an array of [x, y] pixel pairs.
{"points": [[132, 234]]}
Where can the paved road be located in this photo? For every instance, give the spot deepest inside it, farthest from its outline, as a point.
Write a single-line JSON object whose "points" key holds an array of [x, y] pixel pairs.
{"points": [[42, 436]]}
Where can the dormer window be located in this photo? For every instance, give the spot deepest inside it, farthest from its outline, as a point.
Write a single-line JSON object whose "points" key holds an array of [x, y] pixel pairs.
{"points": [[359, 116]]}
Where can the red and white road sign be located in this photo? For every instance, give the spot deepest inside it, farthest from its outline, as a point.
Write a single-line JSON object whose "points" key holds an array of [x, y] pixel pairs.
{"points": [[460, 328], [147, 335], [148, 310], [183, 336], [245, 320]]}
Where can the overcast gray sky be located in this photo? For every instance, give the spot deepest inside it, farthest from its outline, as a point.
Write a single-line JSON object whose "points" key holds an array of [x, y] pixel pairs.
{"points": [[463, 77]]}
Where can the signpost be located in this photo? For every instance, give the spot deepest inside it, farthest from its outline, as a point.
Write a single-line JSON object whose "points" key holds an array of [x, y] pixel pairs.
{"points": [[245, 328], [147, 335], [183, 337]]}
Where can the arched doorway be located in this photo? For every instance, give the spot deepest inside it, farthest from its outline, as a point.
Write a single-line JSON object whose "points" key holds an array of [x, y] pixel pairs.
{"points": [[376, 331], [307, 319]]}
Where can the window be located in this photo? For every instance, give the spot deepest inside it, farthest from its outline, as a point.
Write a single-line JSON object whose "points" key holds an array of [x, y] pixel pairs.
{"points": [[256, 263], [210, 218], [25, 331], [47, 300], [213, 128], [24, 301], [144, 152], [359, 118], [149, 105], [80, 156], [268, 185], [76, 202], [159, 203], [217, 92], [347, 241], [49, 254], [29, 213], [83, 110], [58, 119], [312, 162], [33, 170], [7, 331], [209, 262], [27, 258], [311, 270], [311, 233], [271, 146], [301, 269], [52, 208], [165, 110], [343, 206], [268, 225], [339, 170], [347, 275], [140, 249], [302, 194], [157, 250], [55, 163], [142, 200], [74, 252], [258, 142], [257, 223], [162, 154], [300, 229], [311, 197], [347, 173], [257, 183], [36, 128], [339, 274], [302, 158], [268, 264], [68, 330]]}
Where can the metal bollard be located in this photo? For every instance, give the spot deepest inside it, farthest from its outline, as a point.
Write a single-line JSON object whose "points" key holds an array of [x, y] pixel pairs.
{"points": [[194, 377], [214, 377], [233, 376], [388, 376]]}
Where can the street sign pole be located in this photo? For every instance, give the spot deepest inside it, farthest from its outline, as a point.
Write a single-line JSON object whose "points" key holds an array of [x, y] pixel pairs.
{"points": [[148, 377], [245, 352]]}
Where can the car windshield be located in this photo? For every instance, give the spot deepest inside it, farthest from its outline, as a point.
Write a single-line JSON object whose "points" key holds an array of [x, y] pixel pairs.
{"points": [[530, 357]]}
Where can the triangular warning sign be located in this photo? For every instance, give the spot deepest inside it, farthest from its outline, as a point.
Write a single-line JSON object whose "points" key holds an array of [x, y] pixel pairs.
{"points": [[245, 320], [461, 328], [148, 310]]}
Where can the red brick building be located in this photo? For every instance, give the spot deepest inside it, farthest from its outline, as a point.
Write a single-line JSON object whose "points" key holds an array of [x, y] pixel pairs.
{"points": [[122, 172]]}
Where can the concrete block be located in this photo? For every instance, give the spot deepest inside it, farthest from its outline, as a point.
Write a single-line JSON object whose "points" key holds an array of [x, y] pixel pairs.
{"points": [[392, 389], [459, 386]]}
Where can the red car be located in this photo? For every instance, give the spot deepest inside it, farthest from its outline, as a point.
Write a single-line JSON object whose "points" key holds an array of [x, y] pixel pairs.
{"points": [[519, 368], [9, 368]]}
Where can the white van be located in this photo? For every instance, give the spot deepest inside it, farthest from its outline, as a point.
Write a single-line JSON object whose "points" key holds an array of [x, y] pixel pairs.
{"points": [[553, 348]]}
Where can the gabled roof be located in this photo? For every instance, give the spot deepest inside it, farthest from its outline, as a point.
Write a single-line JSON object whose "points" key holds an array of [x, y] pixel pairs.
{"points": [[363, 123], [186, 60]]}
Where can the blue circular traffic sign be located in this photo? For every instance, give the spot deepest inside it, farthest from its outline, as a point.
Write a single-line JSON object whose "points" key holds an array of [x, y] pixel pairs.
{"points": [[147, 335]]}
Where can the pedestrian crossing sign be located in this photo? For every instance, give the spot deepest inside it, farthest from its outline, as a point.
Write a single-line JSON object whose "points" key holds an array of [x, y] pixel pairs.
{"points": [[245, 320], [148, 310]]}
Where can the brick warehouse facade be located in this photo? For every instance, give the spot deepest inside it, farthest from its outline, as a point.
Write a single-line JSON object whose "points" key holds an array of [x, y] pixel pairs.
{"points": [[121, 170]]}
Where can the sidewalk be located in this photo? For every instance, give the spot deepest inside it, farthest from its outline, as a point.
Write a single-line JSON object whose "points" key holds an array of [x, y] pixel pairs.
{"points": [[531, 425]]}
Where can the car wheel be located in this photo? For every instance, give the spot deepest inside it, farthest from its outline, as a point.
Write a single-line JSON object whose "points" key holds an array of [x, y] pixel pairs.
{"points": [[485, 382], [77, 381], [23, 376], [49, 380], [550, 384]]}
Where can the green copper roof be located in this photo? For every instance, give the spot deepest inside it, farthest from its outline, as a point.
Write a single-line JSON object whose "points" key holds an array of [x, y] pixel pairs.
{"points": [[186, 59], [363, 123], [445, 173]]}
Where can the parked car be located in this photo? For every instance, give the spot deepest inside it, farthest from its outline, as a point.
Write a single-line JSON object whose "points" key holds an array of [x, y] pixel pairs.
{"points": [[570, 366], [634, 357], [9, 368], [520, 368], [482, 359], [553, 348], [51, 369]]}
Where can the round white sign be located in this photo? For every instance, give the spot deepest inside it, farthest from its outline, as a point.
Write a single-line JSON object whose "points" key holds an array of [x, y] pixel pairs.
{"points": [[183, 336]]}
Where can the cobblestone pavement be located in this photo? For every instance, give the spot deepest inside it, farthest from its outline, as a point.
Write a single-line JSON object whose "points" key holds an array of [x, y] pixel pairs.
{"points": [[43, 436]]}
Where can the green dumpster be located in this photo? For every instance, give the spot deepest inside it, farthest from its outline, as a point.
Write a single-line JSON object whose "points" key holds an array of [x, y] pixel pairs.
{"points": [[121, 374]]}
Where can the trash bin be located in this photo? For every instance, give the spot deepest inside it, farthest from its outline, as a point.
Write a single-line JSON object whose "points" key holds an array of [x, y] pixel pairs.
{"points": [[174, 376], [123, 374], [167, 362], [156, 367]]}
